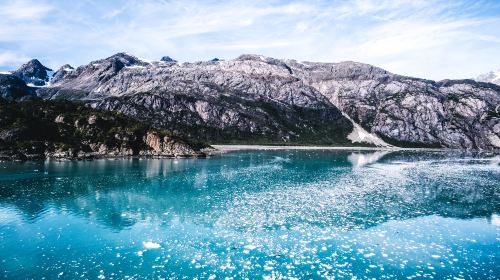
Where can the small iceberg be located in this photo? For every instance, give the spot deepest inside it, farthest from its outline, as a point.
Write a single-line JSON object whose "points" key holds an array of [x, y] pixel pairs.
{"points": [[250, 247], [150, 245]]}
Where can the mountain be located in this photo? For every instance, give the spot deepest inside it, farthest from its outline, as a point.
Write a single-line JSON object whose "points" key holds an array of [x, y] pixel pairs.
{"points": [[490, 77], [63, 130], [410, 112], [208, 103], [62, 72], [34, 73], [167, 59], [257, 99]]}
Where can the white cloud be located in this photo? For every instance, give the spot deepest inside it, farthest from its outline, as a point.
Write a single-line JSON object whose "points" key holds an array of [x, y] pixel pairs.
{"points": [[430, 39], [23, 10], [12, 58]]}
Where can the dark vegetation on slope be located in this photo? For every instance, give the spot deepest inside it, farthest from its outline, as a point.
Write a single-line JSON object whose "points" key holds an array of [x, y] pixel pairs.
{"points": [[60, 129]]}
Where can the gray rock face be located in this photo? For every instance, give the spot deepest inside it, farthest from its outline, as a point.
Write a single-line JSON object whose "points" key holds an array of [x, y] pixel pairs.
{"points": [[407, 111], [34, 73], [259, 99], [62, 73]]}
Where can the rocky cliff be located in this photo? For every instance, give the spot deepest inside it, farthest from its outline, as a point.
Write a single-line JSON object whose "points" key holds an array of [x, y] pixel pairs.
{"points": [[256, 99], [407, 111], [64, 130]]}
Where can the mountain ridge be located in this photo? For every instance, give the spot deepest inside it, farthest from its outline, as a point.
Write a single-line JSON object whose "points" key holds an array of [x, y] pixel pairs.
{"points": [[268, 100]]}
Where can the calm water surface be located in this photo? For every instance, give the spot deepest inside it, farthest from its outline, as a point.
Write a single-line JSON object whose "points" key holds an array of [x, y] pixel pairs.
{"points": [[256, 214]]}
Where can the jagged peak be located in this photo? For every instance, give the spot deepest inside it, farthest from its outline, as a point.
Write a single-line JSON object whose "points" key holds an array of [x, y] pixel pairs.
{"points": [[167, 59], [34, 73], [66, 67], [123, 56], [118, 61], [254, 57], [34, 63]]}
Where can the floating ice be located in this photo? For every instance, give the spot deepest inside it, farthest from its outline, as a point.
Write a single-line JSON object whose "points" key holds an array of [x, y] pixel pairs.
{"points": [[315, 218], [250, 247], [150, 245]]}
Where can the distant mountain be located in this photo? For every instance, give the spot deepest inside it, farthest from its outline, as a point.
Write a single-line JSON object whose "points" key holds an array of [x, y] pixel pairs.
{"points": [[490, 77], [257, 99], [34, 73], [168, 59], [62, 72]]}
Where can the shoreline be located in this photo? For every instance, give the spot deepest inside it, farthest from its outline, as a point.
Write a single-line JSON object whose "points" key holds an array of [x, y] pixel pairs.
{"points": [[229, 148], [220, 149]]}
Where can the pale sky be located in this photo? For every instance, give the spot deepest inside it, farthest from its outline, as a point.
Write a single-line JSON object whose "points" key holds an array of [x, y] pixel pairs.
{"points": [[427, 39]]}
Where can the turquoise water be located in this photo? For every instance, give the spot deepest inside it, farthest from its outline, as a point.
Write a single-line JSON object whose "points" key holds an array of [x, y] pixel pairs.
{"points": [[256, 214]]}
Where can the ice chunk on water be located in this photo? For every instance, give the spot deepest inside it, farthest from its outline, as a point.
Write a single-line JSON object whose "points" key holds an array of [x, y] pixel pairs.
{"points": [[150, 245]]}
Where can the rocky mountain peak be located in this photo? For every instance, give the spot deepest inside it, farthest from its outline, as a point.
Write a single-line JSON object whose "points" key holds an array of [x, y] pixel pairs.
{"points": [[356, 70], [254, 57], [62, 73], [66, 67], [34, 72], [167, 59], [265, 59], [125, 58]]}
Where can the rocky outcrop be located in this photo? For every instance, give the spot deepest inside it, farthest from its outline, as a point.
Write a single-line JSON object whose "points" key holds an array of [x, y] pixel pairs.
{"points": [[165, 146], [34, 73], [257, 99], [62, 130]]}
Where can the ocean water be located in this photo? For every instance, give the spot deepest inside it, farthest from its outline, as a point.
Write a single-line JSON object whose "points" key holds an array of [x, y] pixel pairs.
{"points": [[284, 214]]}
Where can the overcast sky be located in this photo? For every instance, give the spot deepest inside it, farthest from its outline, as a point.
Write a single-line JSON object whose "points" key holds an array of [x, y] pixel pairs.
{"points": [[428, 39]]}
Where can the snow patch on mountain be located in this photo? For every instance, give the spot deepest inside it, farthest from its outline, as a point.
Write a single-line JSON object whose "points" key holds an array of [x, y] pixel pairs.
{"points": [[360, 135]]}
